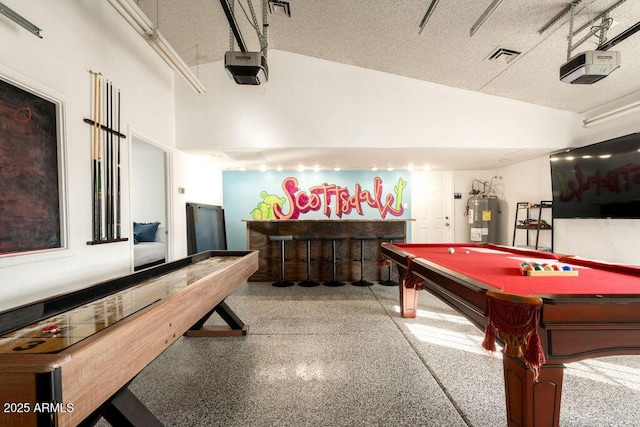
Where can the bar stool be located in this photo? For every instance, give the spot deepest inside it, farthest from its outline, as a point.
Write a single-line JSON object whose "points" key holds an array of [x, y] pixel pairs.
{"points": [[390, 281], [363, 240], [308, 239], [334, 282], [282, 283]]}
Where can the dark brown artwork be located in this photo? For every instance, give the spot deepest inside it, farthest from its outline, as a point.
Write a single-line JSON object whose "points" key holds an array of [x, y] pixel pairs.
{"points": [[29, 177]]}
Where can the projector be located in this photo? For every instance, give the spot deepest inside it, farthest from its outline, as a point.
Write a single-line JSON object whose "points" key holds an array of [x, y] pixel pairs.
{"points": [[589, 67], [246, 68]]}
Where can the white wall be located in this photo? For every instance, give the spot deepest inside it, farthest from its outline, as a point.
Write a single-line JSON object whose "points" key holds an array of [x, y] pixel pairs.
{"points": [[311, 102], [202, 183], [604, 239], [528, 181], [615, 240], [315, 103], [80, 36]]}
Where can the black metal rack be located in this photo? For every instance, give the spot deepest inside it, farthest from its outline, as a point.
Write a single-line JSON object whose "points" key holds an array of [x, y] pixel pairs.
{"points": [[535, 225]]}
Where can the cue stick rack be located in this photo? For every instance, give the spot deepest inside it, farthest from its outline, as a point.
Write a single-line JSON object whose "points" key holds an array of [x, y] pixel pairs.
{"points": [[106, 147]]}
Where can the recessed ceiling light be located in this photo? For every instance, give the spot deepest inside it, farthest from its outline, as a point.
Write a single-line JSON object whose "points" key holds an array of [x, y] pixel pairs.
{"points": [[389, 169], [337, 169], [374, 168], [300, 168], [279, 168]]}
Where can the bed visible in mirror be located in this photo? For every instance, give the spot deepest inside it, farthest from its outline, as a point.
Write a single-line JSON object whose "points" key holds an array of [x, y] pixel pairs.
{"points": [[149, 244]]}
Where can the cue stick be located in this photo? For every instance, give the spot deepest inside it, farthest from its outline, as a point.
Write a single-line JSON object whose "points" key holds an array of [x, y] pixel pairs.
{"points": [[94, 149], [106, 160], [109, 163], [113, 163], [99, 163], [118, 224]]}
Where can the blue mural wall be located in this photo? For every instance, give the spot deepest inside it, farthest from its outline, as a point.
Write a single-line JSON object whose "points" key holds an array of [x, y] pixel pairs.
{"points": [[312, 195]]}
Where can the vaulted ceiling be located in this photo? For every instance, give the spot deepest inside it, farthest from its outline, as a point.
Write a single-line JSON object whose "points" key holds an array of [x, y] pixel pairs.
{"points": [[386, 36]]}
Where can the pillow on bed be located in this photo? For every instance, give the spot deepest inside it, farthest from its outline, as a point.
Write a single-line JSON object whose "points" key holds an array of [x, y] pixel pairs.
{"points": [[146, 231]]}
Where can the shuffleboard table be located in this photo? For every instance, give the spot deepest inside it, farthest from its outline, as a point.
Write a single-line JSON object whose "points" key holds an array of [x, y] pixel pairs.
{"points": [[68, 360], [590, 309]]}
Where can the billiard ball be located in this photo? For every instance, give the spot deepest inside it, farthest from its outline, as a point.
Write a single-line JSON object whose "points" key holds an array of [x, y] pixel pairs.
{"points": [[467, 252], [451, 250]]}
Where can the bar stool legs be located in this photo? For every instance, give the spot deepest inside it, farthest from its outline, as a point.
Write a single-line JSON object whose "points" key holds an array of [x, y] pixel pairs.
{"points": [[282, 283], [334, 282], [362, 281], [308, 283], [390, 281]]}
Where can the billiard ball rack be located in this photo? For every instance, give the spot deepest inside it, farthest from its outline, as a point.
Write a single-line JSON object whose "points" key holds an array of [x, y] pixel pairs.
{"points": [[534, 269]]}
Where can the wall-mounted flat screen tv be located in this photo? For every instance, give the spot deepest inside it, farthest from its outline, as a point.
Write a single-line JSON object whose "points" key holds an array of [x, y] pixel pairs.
{"points": [[598, 181]]}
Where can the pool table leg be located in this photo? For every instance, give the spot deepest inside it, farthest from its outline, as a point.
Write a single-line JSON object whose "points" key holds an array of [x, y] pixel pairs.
{"points": [[529, 403], [408, 299]]}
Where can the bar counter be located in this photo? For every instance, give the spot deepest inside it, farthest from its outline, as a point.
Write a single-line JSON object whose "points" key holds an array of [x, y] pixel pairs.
{"points": [[348, 250]]}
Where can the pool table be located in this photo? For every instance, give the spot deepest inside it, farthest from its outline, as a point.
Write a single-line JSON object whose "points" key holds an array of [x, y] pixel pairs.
{"points": [[593, 312]]}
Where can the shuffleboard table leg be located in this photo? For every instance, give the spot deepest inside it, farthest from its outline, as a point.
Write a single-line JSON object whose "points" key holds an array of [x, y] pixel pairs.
{"points": [[236, 326], [529, 403], [125, 409]]}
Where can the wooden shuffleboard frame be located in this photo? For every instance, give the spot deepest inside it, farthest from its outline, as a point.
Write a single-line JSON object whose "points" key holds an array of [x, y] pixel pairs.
{"points": [[75, 385]]}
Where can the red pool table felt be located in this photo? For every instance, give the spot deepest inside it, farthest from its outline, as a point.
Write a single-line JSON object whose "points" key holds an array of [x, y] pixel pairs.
{"points": [[499, 267]]}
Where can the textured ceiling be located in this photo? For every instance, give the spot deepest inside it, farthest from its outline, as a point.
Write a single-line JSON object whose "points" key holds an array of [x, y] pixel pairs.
{"points": [[384, 35]]}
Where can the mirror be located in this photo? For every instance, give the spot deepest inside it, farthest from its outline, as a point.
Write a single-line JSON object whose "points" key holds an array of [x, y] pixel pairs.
{"points": [[148, 203]]}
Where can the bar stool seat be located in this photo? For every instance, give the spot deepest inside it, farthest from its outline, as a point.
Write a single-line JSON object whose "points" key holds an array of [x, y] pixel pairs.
{"points": [[282, 283], [363, 240], [308, 283], [390, 239], [334, 282]]}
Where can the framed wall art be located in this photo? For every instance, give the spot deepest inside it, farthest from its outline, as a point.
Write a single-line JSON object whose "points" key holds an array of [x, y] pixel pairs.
{"points": [[31, 171]]}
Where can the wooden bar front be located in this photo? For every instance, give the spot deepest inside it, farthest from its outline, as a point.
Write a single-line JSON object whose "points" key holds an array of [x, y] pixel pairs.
{"points": [[348, 251]]}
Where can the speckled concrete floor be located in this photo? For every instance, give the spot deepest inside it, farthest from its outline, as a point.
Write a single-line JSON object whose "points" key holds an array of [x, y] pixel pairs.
{"points": [[344, 357]]}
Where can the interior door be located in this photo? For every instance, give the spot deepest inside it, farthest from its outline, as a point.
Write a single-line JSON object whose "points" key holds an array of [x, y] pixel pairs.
{"points": [[432, 197]]}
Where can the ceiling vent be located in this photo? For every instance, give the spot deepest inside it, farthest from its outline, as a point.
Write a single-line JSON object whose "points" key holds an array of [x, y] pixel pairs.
{"points": [[280, 8], [503, 55]]}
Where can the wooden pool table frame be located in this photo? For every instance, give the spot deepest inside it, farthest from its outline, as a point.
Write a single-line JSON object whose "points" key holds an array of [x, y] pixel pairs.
{"points": [[572, 328]]}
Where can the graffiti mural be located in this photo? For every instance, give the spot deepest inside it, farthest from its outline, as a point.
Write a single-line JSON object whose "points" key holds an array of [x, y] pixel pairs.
{"points": [[265, 209], [330, 199]]}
